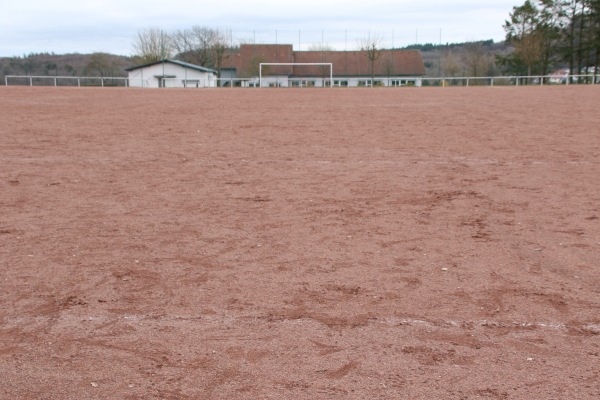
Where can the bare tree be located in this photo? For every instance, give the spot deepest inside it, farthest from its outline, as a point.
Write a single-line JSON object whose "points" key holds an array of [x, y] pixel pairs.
{"points": [[371, 45], [451, 64], [194, 45], [153, 44], [477, 60], [203, 46], [220, 43], [184, 45]]}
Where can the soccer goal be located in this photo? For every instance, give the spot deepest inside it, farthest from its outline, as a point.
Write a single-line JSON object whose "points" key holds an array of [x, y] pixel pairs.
{"points": [[330, 65]]}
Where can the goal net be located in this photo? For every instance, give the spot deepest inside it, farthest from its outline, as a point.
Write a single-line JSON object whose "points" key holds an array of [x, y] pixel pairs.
{"points": [[261, 65]]}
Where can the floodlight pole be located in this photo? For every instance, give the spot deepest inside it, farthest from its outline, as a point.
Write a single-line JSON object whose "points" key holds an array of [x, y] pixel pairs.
{"points": [[290, 64]]}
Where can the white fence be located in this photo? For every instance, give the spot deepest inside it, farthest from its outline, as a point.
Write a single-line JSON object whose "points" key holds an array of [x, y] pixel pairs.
{"points": [[75, 81], [65, 81], [540, 80]]}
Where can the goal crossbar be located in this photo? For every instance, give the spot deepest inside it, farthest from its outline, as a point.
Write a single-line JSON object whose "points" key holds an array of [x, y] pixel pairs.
{"points": [[260, 66]]}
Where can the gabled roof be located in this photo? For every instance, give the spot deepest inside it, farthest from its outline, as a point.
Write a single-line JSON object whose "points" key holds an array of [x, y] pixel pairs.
{"points": [[345, 63], [176, 62]]}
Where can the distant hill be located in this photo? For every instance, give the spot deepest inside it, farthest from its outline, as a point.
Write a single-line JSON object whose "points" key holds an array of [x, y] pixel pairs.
{"points": [[50, 64]]}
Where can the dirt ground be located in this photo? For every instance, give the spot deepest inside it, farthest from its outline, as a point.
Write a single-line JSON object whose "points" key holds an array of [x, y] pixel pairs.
{"points": [[412, 243]]}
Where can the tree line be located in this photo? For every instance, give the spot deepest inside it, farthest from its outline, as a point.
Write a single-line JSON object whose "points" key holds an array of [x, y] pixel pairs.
{"points": [[73, 64], [547, 33], [197, 45]]}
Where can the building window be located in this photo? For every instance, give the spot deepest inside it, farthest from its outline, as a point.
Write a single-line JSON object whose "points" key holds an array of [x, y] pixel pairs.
{"points": [[399, 82]]}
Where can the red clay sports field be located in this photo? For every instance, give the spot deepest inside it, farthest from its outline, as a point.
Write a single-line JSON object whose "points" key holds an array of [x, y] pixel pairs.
{"points": [[411, 243]]}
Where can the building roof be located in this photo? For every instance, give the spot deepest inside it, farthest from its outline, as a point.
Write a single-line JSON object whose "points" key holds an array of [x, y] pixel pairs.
{"points": [[345, 63], [356, 63], [176, 62], [249, 56]]}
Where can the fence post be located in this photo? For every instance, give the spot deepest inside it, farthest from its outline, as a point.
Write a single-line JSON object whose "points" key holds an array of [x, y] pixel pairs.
{"points": [[492, 82], [30, 81], [54, 81]]}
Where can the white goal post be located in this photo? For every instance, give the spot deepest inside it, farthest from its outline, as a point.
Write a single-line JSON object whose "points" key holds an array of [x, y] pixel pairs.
{"points": [[260, 66]]}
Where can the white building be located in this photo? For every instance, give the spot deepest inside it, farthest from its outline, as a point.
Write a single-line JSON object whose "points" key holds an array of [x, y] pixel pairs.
{"points": [[171, 74]]}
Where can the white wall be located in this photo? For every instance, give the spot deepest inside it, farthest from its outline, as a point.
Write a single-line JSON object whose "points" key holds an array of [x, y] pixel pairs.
{"points": [[184, 77], [284, 81], [275, 80]]}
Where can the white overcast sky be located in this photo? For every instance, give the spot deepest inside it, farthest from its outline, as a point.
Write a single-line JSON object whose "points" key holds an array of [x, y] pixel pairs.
{"points": [[85, 26]]}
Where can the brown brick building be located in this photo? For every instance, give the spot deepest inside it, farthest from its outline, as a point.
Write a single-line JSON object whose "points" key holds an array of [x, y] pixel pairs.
{"points": [[350, 68]]}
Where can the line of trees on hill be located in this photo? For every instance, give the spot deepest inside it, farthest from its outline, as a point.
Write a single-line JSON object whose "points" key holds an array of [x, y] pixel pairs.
{"points": [[50, 64], [477, 58], [546, 33]]}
